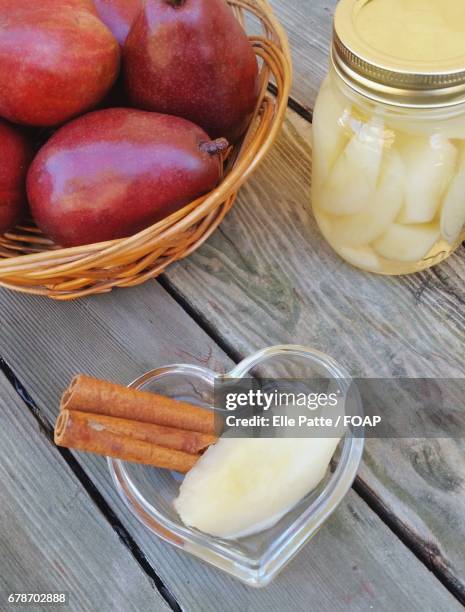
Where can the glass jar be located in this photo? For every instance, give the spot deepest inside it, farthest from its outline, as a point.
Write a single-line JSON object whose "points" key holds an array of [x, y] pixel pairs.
{"points": [[388, 179]]}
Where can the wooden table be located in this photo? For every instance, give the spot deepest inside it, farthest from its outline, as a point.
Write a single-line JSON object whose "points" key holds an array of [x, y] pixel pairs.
{"points": [[265, 277]]}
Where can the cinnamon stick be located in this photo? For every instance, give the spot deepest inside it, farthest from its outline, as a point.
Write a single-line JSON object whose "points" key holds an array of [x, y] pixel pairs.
{"points": [[85, 432], [88, 394], [191, 442]]}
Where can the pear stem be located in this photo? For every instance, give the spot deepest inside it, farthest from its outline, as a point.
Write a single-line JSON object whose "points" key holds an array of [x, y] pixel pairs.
{"points": [[214, 147]]}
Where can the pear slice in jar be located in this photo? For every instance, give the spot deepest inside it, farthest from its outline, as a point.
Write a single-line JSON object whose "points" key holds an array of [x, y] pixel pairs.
{"points": [[407, 243], [353, 180], [361, 257], [330, 129], [453, 208], [452, 128], [430, 165], [378, 213]]}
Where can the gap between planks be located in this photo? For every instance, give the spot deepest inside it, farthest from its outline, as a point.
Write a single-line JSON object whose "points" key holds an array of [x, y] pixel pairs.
{"points": [[124, 536], [294, 105]]}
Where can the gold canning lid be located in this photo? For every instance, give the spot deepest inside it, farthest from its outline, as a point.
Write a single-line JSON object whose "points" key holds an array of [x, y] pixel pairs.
{"points": [[405, 52]]}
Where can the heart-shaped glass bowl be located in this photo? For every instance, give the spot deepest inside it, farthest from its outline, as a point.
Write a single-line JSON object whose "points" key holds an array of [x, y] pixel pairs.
{"points": [[149, 492]]}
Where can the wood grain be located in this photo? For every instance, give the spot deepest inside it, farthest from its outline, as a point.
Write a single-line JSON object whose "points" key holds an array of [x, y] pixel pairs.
{"points": [[308, 24], [355, 562], [52, 536], [268, 277]]}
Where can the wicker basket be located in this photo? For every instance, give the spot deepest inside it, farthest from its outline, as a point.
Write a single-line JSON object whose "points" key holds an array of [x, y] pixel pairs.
{"points": [[31, 263]]}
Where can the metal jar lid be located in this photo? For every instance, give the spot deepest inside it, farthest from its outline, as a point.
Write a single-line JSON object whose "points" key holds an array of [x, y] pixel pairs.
{"points": [[409, 53]]}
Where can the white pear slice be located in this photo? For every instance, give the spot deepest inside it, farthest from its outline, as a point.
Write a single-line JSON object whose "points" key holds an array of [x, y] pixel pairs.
{"points": [[362, 257], [453, 208], [407, 243], [241, 486], [330, 130], [452, 128], [374, 219], [353, 180], [430, 164]]}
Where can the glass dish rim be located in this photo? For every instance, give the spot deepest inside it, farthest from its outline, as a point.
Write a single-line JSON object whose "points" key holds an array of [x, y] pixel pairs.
{"points": [[265, 566]]}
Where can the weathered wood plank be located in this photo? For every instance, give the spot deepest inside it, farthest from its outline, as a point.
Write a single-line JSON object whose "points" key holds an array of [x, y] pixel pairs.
{"points": [[268, 277], [52, 536], [355, 562], [308, 24]]}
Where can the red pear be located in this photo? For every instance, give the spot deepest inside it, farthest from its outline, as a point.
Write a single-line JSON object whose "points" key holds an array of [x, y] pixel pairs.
{"points": [[77, 4], [113, 172], [15, 157], [119, 15], [57, 59], [192, 58]]}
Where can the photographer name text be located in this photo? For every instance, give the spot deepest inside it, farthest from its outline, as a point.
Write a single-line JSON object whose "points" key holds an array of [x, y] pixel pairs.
{"points": [[282, 420]]}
